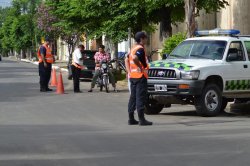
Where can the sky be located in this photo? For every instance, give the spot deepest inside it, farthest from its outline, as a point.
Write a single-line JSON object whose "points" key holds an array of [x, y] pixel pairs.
{"points": [[5, 3]]}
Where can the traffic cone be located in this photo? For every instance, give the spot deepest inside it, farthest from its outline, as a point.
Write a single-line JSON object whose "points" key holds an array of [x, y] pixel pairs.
{"points": [[60, 87], [53, 80]]}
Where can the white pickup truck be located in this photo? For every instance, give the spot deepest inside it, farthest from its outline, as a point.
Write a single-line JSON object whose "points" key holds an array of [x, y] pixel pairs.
{"points": [[206, 72]]}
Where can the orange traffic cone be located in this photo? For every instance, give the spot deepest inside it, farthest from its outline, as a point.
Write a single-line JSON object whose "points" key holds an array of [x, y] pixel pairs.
{"points": [[60, 87], [53, 80]]}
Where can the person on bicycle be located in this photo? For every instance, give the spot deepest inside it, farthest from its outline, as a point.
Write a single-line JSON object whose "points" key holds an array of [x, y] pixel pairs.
{"points": [[100, 56]]}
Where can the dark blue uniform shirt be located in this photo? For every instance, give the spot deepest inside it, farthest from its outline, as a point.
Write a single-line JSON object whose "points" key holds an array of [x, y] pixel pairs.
{"points": [[43, 50], [141, 56]]}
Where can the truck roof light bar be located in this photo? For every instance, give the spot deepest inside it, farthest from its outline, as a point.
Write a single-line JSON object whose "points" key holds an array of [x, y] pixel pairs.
{"points": [[217, 31]]}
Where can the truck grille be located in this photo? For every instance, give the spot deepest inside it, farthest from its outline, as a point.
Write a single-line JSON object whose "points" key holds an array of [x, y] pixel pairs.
{"points": [[162, 73]]}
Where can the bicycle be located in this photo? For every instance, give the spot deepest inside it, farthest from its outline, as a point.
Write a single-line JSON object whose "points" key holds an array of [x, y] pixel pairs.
{"points": [[151, 54], [120, 62]]}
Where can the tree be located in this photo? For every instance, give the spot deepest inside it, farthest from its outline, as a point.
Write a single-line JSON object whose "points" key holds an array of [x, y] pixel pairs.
{"points": [[17, 31], [207, 5], [49, 23], [45, 21], [114, 17], [6, 43], [190, 17]]}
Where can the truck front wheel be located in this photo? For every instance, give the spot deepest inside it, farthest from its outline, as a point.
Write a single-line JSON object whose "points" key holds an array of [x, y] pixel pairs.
{"points": [[153, 107], [210, 101]]}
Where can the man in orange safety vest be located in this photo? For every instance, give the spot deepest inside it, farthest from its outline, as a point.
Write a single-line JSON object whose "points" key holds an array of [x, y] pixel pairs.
{"points": [[45, 59], [138, 72]]}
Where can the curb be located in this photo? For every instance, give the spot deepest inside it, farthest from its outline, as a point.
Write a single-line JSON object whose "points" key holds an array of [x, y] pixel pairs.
{"points": [[62, 69], [36, 63]]}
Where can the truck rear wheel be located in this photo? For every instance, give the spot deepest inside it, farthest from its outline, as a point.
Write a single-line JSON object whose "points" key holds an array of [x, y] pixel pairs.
{"points": [[153, 107], [210, 101]]}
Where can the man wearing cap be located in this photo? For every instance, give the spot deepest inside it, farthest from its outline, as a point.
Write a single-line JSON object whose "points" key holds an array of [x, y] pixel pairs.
{"points": [[100, 56], [138, 71], [45, 59]]}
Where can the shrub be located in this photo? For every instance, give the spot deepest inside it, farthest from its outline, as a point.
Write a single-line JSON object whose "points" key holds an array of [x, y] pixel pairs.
{"points": [[119, 76], [172, 42]]}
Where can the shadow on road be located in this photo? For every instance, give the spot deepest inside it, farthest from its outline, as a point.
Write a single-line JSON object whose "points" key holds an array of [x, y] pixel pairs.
{"points": [[21, 91], [2, 76], [193, 113]]}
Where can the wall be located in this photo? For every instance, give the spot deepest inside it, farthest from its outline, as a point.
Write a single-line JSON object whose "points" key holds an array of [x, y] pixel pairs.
{"points": [[235, 16], [62, 50]]}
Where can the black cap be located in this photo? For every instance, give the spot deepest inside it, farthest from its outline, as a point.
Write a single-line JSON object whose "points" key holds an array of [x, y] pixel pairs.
{"points": [[140, 35], [47, 38]]}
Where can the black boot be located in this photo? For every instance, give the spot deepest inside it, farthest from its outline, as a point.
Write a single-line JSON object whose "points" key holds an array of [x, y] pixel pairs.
{"points": [[132, 120], [143, 121]]}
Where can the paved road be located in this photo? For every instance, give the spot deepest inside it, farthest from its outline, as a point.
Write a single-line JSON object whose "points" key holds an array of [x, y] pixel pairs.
{"points": [[90, 129]]}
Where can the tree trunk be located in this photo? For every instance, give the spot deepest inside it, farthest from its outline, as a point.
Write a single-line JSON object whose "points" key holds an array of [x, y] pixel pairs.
{"points": [[98, 42], [115, 55], [165, 24], [190, 17], [23, 54], [70, 53], [54, 48]]}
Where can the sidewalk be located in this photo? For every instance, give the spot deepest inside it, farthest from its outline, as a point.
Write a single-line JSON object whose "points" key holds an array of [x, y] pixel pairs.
{"points": [[62, 65]]}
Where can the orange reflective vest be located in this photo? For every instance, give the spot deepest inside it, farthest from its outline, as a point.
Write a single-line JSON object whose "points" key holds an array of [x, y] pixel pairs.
{"points": [[135, 71], [49, 57]]}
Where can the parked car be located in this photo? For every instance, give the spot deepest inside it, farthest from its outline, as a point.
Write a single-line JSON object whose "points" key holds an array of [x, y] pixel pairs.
{"points": [[88, 63], [0, 58]]}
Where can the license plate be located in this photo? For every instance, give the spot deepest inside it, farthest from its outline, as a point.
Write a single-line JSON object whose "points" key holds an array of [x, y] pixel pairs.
{"points": [[161, 88]]}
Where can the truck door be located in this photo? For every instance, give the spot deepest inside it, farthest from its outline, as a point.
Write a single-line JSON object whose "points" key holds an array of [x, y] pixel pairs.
{"points": [[237, 69]]}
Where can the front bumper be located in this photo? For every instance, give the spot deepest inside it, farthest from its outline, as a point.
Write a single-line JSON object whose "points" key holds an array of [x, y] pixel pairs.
{"points": [[173, 87]]}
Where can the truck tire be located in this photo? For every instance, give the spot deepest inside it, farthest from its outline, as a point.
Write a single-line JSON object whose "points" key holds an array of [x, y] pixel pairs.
{"points": [[152, 107], [209, 102]]}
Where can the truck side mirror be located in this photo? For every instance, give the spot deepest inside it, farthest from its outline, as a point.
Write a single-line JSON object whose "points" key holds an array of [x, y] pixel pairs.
{"points": [[232, 54], [164, 56]]}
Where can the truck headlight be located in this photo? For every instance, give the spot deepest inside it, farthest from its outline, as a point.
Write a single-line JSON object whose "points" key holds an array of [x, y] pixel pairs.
{"points": [[190, 75]]}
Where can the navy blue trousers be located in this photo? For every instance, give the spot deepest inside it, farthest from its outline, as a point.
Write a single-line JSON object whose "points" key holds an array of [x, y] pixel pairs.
{"points": [[76, 73], [138, 96], [45, 74]]}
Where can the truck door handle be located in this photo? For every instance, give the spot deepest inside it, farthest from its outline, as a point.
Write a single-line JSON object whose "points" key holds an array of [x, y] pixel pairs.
{"points": [[245, 66]]}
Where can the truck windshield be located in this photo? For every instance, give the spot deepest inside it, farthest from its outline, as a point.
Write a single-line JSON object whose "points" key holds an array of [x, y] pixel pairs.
{"points": [[197, 49]]}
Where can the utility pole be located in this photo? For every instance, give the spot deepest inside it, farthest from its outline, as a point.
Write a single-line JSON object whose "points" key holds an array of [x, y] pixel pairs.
{"points": [[129, 40]]}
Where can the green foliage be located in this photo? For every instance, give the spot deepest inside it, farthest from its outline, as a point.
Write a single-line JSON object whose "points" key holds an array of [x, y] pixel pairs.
{"points": [[20, 33], [172, 42], [211, 5], [92, 17], [17, 28], [119, 75]]}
